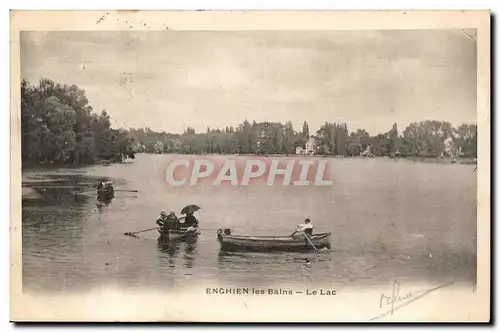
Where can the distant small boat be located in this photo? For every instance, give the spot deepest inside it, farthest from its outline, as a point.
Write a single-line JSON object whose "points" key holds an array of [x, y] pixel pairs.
{"points": [[106, 193], [230, 242], [178, 234]]}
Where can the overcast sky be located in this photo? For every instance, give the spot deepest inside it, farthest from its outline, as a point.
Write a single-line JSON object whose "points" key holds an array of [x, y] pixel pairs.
{"points": [[168, 80]]}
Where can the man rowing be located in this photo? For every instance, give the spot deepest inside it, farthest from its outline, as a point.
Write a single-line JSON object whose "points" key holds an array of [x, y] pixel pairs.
{"points": [[304, 229]]}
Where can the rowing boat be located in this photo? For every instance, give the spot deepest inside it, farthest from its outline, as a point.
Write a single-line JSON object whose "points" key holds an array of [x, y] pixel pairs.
{"points": [[178, 234], [230, 242], [106, 194]]}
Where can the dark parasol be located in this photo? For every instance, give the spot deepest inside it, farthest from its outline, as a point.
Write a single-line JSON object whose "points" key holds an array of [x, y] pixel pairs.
{"points": [[190, 209]]}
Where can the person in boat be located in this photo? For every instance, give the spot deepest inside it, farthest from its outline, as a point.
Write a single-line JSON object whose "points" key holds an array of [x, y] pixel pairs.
{"points": [[172, 221], [190, 220], [168, 222], [109, 186], [162, 220], [304, 229], [105, 192], [100, 186], [105, 186]]}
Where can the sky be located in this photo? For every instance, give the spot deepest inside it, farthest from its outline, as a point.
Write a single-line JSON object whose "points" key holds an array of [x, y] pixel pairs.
{"points": [[169, 80]]}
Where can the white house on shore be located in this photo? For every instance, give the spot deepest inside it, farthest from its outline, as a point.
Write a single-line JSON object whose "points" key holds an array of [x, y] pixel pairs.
{"points": [[368, 152], [451, 149], [308, 149]]}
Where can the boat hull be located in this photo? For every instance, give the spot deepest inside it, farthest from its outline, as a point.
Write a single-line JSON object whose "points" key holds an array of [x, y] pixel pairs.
{"points": [[272, 243], [105, 194], [177, 234]]}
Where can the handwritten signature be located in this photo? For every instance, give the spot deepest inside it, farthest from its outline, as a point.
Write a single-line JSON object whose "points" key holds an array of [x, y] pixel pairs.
{"points": [[396, 300]]}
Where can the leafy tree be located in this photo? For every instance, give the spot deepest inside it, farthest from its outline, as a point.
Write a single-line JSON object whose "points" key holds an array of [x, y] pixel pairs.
{"points": [[465, 138], [58, 127]]}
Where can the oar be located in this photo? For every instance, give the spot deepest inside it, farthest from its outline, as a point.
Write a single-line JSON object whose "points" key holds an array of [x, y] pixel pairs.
{"points": [[130, 191], [144, 230], [307, 237]]}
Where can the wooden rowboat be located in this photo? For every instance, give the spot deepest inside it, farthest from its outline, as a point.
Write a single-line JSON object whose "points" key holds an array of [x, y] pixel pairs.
{"points": [[230, 242], [178, 234], [105, 194]]}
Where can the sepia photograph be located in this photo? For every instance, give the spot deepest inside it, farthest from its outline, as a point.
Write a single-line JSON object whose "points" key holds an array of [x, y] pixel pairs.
{"points": [[205, 168]]}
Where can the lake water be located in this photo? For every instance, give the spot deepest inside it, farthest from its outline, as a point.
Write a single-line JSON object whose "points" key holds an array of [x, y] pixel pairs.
{"points": [[389, 219]]}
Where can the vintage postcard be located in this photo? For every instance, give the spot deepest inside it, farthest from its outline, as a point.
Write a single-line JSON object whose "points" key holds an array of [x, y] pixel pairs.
{"points": [[246, 166]]}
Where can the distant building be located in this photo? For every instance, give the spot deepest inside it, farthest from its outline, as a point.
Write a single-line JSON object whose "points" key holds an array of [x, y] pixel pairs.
{"points": [[308, 149], [367, 152], [451, 149]]}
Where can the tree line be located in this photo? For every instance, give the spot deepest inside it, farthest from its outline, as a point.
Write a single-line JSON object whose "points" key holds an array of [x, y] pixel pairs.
{"points": [[59, 126], [419, 139]]}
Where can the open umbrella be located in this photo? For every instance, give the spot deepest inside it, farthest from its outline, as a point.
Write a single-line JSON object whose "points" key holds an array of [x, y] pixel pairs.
{"points": [[190, 209]]}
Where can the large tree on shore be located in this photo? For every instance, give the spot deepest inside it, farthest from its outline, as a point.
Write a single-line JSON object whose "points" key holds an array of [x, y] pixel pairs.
{"points": [[58, 127]]}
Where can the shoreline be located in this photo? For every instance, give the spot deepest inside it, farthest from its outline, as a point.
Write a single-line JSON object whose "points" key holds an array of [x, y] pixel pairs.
{"points": [[444, 160], [104, 163], [433, 160]]}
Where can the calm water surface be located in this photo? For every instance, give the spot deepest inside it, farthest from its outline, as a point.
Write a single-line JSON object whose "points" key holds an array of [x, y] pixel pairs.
{"points": [[389, 219]]}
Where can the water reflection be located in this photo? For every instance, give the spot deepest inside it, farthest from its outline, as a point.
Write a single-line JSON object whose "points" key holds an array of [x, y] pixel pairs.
{"points": [[173, 249], [168, 247], [53, 223]]}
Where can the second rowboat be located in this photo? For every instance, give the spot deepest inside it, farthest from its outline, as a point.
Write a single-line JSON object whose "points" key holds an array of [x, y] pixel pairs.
{"points": [[230, 242]]}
